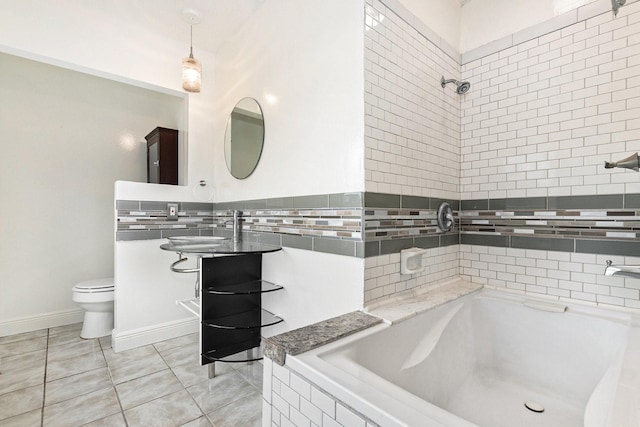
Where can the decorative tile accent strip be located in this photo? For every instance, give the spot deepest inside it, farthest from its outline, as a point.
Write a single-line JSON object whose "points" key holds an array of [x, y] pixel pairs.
{"points": [[139, 220], [394, 222], [315, 335], [595, 224], [330, 223], [344, 223]]}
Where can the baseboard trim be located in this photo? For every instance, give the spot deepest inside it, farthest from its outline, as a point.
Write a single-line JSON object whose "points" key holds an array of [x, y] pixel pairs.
{"points": [[125, 340], [41, 321]]}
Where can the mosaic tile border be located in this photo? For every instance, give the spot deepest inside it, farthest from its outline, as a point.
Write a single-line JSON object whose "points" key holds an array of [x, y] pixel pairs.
{"points": [[330, 223], [605, 224], [146, 220], [371, 224]]}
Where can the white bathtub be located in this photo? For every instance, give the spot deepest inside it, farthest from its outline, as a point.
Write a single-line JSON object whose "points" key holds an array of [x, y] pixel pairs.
{"points": [[478, 359]]}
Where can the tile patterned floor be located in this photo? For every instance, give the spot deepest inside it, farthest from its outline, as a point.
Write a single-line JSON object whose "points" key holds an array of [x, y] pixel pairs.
{"points": [[53, 378]]}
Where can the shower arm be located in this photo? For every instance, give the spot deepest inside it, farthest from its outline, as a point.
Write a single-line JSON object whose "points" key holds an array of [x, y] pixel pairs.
{"points": [[616, 4], [444, 82]]}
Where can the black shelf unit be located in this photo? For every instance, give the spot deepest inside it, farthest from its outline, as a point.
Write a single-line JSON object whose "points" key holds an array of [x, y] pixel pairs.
{"points": [[231, 308]]}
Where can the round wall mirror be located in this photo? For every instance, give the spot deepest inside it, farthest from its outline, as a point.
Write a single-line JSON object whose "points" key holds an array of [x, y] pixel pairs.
{"points": [[244, 138]]}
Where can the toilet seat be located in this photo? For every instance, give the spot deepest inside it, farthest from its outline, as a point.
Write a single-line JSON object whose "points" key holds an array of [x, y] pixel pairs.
{"points": [[95, 286]]}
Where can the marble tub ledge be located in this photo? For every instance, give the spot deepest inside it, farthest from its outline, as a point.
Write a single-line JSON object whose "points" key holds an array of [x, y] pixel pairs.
{"points": [[417, 301]]}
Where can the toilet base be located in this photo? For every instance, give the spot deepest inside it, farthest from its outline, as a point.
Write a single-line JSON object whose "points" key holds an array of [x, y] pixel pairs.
{"points": [[96, 324]]}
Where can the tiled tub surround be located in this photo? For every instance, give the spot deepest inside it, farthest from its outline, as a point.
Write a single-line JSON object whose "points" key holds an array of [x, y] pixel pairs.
{"points": [[412, 125], [383, 281], [289, 400], [558, 275], [544, 114]]}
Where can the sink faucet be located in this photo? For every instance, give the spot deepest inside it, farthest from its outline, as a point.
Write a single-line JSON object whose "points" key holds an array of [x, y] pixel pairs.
{"points": [[237, 226]]}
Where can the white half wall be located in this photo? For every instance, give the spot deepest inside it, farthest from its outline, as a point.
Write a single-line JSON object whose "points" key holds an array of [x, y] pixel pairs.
{"points": [[146, 292], [317, 286]]}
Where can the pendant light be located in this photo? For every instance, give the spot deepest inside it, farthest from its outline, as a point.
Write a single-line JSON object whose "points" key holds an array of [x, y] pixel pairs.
{"points": [[191, 68]]}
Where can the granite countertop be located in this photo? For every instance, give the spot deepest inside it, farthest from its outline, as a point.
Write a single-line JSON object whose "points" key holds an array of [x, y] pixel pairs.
{"points": [[315, 335]]}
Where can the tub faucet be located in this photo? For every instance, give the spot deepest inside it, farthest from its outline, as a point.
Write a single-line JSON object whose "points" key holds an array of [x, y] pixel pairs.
{"points": [[622, 270]]}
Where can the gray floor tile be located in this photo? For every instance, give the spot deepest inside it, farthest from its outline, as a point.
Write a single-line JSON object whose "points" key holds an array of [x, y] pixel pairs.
{"points": [[252, 372], [65, 338], [246, 412], [22, 337], [115, 420], [145, 389], [169, 411], [73, 349], [74, 365], [105, 342], [177, 356], [35, 359], [29, 419], [16, 380], [115, 360], [76, 385], [137, 368], [176, 342], [220, 391], [200, 422], [80, 378], [23, 346], [192, 373], [21, 401], [82, 409], [65, 328]]}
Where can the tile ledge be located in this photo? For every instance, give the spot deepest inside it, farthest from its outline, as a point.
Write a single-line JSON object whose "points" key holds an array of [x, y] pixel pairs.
{"points": [[416, 301]]}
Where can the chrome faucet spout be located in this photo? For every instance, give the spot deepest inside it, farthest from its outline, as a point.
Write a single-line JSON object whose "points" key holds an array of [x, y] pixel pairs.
{"points": [[622, 270], [237, 226]]}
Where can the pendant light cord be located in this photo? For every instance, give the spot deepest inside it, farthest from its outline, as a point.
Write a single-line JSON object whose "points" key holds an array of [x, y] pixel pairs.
{"points": [[191, 43]]}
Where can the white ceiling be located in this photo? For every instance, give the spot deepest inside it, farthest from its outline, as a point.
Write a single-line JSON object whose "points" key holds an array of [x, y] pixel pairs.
{"points": [[219, 19]]}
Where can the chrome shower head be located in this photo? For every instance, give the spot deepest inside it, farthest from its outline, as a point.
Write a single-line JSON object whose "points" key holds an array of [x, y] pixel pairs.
{"points": [[461, 87]]}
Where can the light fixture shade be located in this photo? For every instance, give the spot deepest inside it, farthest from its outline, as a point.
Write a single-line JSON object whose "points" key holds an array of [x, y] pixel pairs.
{"points": [[191, 75]]}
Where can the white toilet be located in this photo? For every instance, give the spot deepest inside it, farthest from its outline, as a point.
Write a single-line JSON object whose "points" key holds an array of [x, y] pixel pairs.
{"points": [[96, 297]]}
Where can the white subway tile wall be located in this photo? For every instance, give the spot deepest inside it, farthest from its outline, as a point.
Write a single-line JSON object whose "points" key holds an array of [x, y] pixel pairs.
{"points": [[543, 116], [412, 124], [382, 278], [558, 275], [291, 400]]}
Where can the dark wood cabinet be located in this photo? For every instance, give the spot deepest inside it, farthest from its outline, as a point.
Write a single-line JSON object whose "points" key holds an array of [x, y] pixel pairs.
{"points": [[162, 156]]}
